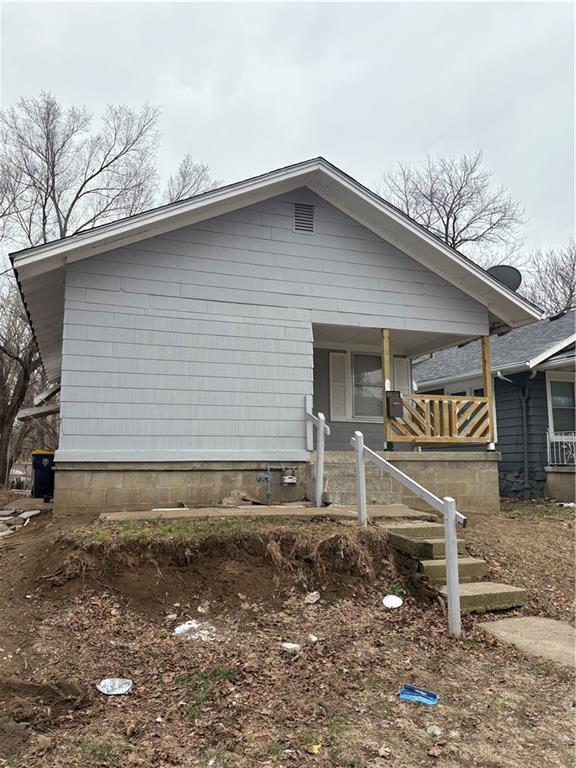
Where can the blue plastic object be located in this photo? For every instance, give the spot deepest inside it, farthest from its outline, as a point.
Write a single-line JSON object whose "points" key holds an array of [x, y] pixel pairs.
{"points": [[412, 693]]}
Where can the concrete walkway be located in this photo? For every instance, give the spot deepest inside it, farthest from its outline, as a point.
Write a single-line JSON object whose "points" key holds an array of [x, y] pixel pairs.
{"points": [[24, 503], [375, 512], [537, 636]]}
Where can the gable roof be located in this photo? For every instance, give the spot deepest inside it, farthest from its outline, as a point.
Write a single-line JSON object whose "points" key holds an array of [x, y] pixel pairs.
{"points": [[519, 349], [40, 270]]}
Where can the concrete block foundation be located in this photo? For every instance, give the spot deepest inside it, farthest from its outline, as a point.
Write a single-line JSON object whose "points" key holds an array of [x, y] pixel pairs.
{"points": [[560, 483], [91, 488], [470, 477]]}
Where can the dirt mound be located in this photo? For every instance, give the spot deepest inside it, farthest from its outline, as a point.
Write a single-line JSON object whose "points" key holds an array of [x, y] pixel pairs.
{"points": [[153, 566], [25, 703]]}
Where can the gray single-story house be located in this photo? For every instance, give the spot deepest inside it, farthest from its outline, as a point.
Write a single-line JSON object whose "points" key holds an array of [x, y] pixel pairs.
{"points": [[190, 341], [534, 383]]}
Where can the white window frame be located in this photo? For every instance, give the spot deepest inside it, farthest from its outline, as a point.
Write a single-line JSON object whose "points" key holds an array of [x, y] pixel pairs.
{"points": [[550, 377], [349, 382]]}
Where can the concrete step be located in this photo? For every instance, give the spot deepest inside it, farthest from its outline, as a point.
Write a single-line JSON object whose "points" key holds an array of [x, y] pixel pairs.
{"points": [[469, 569], [383, 515], [415, 530], [423, 549], [479, 597], [349, 499]]}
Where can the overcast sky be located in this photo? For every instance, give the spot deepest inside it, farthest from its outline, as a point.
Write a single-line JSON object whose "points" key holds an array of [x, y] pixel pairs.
{"points": [[252, 87]]}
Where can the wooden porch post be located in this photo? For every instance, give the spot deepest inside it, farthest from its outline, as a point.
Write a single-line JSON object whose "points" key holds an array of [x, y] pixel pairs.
{"points": [[487, 381], [386, 382]]}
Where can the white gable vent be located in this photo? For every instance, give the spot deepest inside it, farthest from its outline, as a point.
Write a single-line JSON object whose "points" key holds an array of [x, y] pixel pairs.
{"points": [[303, 217]]}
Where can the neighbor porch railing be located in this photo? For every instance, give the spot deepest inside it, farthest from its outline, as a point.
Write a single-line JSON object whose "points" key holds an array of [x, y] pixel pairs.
{"points": [[441, 419], [561, 448], [322, 430], [446, 506]]}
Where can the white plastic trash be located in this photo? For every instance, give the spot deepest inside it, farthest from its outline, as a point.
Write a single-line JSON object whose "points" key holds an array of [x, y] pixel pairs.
{"points": [[311, 598], [194, 630], [292, 648], [392, 601], [29, 513], [114, 686]]}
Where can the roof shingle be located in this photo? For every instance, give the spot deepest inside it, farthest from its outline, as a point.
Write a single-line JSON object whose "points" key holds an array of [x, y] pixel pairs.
{"points": [[515, 347]]}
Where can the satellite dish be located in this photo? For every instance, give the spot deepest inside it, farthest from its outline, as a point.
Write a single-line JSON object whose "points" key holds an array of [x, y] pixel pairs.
{"points": [[508, 276]]}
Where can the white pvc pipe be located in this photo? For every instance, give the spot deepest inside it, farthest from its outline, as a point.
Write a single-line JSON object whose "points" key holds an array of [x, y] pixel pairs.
{"points": [[452, 578], [320, 435], [360, 480]]}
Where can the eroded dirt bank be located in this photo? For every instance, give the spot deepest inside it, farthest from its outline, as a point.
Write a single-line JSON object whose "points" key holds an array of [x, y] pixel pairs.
{"points": [[104, 601]]}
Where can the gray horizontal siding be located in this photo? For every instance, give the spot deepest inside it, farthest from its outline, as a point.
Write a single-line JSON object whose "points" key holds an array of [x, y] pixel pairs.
{"points": [[201, 339], [510, 439]]}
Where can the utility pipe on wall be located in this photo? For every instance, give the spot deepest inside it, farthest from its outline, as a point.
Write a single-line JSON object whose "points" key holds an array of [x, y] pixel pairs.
{"points": [[523, 393]]}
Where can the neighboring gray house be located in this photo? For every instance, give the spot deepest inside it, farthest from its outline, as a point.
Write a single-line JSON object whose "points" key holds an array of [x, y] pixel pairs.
{"points": [[534, 396], [190, 340]]}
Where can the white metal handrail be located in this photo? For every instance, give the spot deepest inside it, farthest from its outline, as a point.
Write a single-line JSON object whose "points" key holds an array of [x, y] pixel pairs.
{"points": [[446, 506], [322, 430], [561, 448]]}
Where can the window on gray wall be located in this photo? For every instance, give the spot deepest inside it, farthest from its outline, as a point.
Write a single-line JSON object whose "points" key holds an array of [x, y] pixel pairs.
{"points": [[367, 378], [563, 401]]}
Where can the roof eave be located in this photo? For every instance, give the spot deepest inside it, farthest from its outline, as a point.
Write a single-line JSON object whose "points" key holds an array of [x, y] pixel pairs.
{"points": [[558, 347], [511, 368], [322, 177]]}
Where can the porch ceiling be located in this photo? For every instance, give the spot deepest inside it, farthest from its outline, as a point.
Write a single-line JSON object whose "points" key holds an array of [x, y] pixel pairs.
{"points": [[409, 343]]}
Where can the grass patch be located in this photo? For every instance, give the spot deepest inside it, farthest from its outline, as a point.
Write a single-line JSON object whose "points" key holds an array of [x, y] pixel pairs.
{"points": [[201, 685], [396, 589], [193, 531], [100, 754], [540, 666], [338, 726], [535, 510]]}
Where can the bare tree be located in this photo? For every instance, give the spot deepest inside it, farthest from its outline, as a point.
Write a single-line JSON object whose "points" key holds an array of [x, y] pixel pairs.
{"points": [[455, 198], [19, 364], [60, 175], [61, 178], [551, 283], [190, 179]]}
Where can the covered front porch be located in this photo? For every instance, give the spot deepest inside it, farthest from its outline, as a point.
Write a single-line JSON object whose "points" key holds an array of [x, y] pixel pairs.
{"points": [[363, 381]]}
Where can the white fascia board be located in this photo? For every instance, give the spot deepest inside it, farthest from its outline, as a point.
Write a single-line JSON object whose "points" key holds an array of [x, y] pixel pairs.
{"points": [[37, 411], [511, 368], [47, 393], [558, 347], [149, 224], [558, 362]]}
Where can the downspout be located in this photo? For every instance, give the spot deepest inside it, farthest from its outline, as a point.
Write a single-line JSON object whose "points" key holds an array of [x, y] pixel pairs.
{"points": [[523, 393]]}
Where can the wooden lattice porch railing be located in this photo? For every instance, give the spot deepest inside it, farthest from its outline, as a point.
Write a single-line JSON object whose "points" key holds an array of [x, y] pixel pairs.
{"points": [[441, 419]]}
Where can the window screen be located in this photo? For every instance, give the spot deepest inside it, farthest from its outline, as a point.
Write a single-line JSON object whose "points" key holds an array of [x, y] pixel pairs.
{"points": [[563, 406]]}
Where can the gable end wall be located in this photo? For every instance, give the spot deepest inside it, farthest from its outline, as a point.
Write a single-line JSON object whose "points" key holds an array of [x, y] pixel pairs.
{"points": [[198, 344]]}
